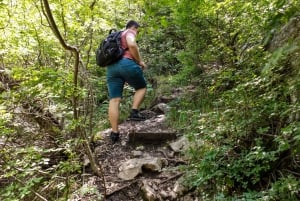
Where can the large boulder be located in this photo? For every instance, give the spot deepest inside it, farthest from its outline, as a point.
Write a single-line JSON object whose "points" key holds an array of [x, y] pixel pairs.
{"points": [[133, 167]]}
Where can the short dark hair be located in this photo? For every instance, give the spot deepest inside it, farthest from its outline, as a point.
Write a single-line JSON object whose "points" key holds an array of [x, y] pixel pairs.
{"points": [[132, 23]]}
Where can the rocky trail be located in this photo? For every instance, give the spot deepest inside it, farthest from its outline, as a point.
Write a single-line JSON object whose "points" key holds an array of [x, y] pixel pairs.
{"points": [[143, 166]]}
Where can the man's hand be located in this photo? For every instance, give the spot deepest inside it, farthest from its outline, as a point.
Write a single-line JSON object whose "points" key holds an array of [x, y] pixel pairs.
{"points": [[142, 64]]}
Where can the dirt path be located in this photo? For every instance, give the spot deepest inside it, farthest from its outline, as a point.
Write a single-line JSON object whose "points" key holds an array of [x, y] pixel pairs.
{"points": [[141, 140], [145, 150]]}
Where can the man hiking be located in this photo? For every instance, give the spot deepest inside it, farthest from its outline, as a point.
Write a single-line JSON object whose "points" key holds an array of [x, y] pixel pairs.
{"points": [[129, 69]]}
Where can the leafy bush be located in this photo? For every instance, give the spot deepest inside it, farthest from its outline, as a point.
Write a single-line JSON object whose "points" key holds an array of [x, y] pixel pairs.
{"points": [[244, 137]]}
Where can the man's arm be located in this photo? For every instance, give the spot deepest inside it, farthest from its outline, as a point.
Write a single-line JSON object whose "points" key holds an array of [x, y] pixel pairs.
{"points": [[134, 50]]}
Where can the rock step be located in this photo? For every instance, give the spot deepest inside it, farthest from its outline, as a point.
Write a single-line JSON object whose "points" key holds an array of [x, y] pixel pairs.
{"points": [[150, 137]]}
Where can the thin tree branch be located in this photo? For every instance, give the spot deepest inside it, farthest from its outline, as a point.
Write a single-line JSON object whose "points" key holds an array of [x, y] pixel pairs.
{"points": [[55, 28], [79, 130], [36, 193]]}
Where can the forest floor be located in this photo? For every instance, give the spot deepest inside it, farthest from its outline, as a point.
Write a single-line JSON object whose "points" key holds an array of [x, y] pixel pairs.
{"points": [[144, 165]]}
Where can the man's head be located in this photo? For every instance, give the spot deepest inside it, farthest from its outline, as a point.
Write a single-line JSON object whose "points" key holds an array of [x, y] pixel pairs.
{"points": [[132, 24]]}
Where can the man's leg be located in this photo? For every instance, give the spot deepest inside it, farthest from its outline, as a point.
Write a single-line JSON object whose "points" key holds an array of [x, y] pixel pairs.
{"points": [[138, 98], [113, 113]]}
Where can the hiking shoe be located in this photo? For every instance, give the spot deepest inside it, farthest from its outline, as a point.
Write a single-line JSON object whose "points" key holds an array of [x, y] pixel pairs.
{"points": [[114, 137], [136, 116]]}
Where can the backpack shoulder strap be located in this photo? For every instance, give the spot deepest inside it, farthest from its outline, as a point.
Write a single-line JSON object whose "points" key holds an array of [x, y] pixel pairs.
{"points": [[112, 30], [125, 32]]}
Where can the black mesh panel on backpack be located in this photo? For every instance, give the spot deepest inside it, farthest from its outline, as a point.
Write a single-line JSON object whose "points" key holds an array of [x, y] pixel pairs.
{"points": [[110, 50]]}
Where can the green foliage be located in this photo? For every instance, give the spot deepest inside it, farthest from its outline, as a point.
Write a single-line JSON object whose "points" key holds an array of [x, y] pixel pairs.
{"points": [[237, 101], [285, 189], [242, 118], [38, 139], [161, 39], [239, 135]]}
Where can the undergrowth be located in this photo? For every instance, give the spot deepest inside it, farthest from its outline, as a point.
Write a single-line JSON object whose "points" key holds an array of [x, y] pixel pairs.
{"points": [[243, 133]]}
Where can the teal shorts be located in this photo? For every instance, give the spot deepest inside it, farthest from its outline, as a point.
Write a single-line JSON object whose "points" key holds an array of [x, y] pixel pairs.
{"points": [[125, 70]]}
